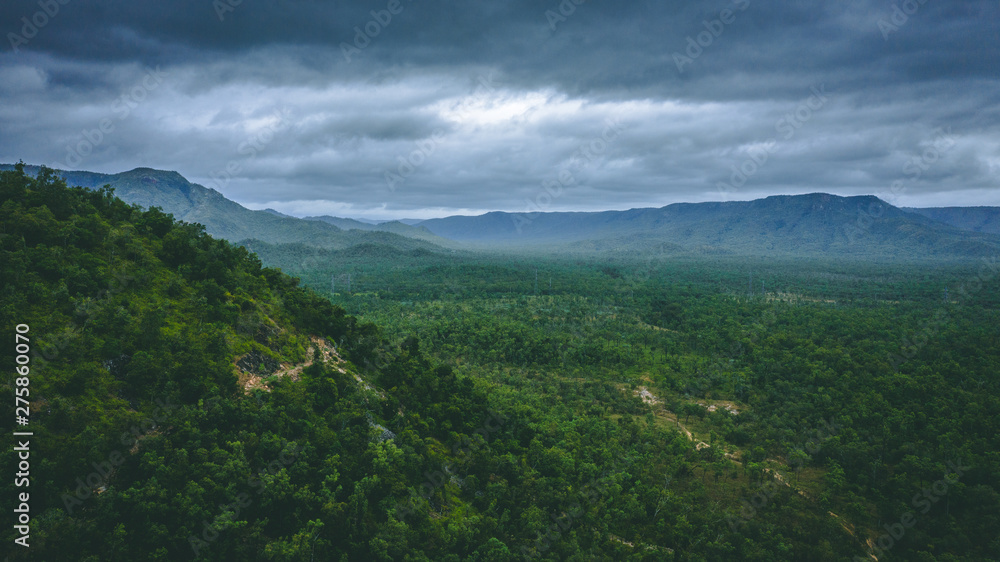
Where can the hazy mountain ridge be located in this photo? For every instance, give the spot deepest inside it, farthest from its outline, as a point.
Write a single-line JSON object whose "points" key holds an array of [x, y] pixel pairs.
{"points": [[975, 219], [816, 223], [223, 217], [395, 227], [813, 224]]}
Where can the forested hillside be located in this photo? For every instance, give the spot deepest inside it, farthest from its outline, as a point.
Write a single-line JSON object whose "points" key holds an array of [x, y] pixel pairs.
{"points": [[851, 379], [189, 403]]}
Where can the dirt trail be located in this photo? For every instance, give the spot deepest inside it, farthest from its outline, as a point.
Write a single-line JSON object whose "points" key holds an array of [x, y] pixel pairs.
{"points": [[731, 407], [780, 478], [651, 399], [329, 354], [847, 526]]}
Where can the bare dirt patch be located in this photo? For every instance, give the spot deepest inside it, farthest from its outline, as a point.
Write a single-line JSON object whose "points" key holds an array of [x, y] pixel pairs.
{"points": [[249, 380]]}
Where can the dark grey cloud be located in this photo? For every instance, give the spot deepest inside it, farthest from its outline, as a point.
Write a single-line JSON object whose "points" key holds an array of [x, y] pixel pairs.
{"points": [[463, 106]]}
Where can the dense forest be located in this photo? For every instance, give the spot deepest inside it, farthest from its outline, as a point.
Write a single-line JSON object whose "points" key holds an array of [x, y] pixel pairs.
{"points": [[188, 402]]}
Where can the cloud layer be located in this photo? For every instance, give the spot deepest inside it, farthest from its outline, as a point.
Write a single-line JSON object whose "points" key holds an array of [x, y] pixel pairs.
{"points": [[414, 109]]}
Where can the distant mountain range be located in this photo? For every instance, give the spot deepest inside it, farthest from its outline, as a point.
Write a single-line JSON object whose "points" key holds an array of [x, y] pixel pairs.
{"points": [[816, 224], [813, 224]]}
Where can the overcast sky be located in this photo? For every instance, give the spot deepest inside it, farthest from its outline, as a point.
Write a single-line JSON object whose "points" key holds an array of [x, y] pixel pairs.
{"points": [[402, 108]]}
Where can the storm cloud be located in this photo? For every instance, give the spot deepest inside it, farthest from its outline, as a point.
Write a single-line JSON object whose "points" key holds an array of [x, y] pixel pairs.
{"points": [[408, 108]]}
